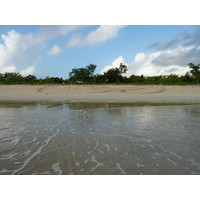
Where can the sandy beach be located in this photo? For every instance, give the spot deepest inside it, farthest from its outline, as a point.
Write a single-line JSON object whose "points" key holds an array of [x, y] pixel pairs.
{"points": [[100, 93]]}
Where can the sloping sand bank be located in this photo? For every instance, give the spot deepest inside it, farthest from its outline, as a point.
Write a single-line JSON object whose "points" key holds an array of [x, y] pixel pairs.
{"points": [[102, 93]]}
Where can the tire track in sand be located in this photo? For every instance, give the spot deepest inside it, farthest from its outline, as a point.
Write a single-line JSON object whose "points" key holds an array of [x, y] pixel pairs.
{"points": [[162, 89]]}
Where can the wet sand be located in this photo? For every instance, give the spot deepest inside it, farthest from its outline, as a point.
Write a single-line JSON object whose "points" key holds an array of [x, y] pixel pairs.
{"points": [[101, 93]]}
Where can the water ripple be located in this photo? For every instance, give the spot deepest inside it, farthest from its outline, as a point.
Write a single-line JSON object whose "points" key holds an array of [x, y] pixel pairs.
{"points": [[67, 139]]}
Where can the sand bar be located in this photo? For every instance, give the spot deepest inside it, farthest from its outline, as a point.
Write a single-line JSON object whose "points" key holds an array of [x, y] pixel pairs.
{"points": [[100, 93]]}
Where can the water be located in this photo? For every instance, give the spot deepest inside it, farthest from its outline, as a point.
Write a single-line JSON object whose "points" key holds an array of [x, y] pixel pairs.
{"points": [[83, 138]]}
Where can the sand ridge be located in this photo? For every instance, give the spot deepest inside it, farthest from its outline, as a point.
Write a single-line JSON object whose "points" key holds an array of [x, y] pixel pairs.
{"points": [[122, 93]]}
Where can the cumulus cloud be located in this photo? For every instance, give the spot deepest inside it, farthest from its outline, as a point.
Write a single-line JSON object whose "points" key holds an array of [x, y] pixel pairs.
{"points": [[55, 50], [10, 50], [115, 64], [4, 69], [28, 71], [171, 57], [20, 50], [17, 49], [160, 62], [100, 35], [179, 56]]}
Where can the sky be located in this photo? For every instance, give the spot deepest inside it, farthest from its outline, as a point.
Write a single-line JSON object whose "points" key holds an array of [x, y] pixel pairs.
{"points": [[53, 50]]}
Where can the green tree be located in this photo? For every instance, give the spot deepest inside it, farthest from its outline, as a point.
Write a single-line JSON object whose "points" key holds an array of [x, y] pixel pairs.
{"points": [[195, 72], [11, 78], [187, 78], [114, 75], [1, 78], [30, 79], [82, 74], [137, 79], [99, 78], [123, 68]]}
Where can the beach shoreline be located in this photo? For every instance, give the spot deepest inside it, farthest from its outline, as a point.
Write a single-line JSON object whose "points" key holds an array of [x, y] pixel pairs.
{"points": [[102, 93]]}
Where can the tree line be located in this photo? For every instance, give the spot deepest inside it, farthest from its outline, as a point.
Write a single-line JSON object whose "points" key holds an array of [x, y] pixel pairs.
{"points": [[112, 76]]}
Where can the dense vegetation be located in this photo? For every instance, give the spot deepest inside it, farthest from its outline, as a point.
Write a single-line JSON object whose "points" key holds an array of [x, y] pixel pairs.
{"points": [[114, 75]]}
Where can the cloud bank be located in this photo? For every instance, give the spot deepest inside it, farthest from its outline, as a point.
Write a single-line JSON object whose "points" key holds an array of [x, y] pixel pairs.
{"points": [[160, 62], [171, 57]]}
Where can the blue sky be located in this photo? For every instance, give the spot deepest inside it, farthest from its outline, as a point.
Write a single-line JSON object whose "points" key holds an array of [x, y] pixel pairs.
{"points": [[54, 50]]}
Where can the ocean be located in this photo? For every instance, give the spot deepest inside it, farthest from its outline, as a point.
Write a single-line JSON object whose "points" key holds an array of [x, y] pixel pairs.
{"points": [[99, 139]]}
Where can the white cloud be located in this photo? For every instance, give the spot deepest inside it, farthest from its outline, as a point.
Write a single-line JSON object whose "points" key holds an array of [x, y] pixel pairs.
{"points": [[28, 71], [17, 48], [115, 64], [14, 40], [48, 32], [4, 69], [55, 50], [161, 62], [100, 35], [14, 50], [8, 51]]}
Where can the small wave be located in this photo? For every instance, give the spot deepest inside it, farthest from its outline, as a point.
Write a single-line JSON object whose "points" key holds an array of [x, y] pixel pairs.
{"points": [[26, 162]]}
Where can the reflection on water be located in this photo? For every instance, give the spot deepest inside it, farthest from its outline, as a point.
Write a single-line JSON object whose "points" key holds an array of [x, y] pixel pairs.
{"points": [[101, 138]]}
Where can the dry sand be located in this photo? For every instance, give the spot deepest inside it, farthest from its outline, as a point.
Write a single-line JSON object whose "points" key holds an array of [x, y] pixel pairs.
{"points": [[102, 93]]}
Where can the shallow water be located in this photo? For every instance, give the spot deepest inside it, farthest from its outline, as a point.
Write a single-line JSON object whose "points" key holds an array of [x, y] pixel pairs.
{"points": [[82, 138]]}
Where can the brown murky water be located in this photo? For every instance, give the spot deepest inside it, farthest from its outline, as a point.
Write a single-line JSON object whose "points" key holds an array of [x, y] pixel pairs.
{"points": [[83, 138]]}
